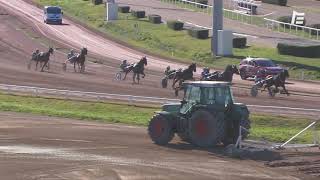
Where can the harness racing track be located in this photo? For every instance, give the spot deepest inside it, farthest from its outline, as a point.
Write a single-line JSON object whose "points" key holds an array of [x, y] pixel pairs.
{"points": [[38, 147], [20, 35]]}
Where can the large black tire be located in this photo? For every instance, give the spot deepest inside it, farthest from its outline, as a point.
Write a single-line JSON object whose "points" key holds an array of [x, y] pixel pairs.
{"points": [[164, 82], [204, 130], [160, 130], [243, 75]]}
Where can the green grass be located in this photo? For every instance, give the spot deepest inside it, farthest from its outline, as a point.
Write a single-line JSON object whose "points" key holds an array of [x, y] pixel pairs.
{"points": [[163, 41], [264, 127], [77, 109]]}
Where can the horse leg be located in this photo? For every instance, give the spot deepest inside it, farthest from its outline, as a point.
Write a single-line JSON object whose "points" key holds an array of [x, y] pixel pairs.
{"points": [[144, 75], [45, 63], [174, 83], [134, 78], [37, 65], [285, 90], [138, 77], [125, 76], [74, 67]]}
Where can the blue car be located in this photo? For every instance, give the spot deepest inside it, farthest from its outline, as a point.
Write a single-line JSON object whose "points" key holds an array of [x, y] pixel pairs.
{"points": [[52, 15]]}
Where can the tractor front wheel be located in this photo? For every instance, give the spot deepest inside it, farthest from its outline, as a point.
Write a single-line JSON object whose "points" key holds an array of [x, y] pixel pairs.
{"points": [[160, 130]]}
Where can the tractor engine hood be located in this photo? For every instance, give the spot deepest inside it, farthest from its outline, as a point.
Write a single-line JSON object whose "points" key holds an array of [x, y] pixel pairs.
{"points": [[173, 108]]}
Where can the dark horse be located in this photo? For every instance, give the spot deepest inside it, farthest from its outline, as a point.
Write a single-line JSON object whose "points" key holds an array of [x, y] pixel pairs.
{"points": [[137, 69], [226, 75], [181, 76], [78, 59], [278, 80], [42, 57]]}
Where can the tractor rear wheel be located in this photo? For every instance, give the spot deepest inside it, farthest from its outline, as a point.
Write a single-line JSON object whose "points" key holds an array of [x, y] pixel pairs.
{"points": [[160, 130], [204, 130]]}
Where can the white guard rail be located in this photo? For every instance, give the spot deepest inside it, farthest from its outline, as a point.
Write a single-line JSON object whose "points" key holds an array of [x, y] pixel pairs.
{"points": [[92, 95], [311, 33]]}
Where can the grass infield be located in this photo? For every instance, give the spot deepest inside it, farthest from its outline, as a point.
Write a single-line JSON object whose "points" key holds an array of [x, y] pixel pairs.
{"points": [[264, 127]]}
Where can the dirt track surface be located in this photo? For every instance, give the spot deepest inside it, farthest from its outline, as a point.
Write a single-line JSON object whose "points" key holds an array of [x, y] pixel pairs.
{"points": [[256, 35], [38, 147], [20, 36]]}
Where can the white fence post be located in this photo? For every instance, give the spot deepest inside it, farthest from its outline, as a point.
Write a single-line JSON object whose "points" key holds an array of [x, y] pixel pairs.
{"points": [[315, 135], [282, 145]]}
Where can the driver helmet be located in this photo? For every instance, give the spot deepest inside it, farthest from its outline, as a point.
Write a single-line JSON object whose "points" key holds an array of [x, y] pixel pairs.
{"points": [[72, 51], [168, 68], [124, 61], [205, 69], [37, 51]]}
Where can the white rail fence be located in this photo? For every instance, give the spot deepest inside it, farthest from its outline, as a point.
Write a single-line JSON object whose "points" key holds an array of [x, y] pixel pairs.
{"points": [[38, 91], [304, 31], [242, 16]]}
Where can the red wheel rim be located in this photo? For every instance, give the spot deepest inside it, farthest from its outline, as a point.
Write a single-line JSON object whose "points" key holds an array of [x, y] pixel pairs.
{"points": [[201, 128], [158, 128]]}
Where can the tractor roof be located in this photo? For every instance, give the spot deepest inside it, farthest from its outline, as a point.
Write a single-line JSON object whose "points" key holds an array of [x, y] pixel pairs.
{"points": [[207, 83]]}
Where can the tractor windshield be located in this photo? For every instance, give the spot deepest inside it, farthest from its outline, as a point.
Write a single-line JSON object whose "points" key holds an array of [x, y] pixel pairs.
{"points": [[192, 94], [218, 95]]}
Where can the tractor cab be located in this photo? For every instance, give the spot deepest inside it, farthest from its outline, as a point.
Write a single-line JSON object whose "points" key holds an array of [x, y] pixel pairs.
{"points": [[215, 94]]}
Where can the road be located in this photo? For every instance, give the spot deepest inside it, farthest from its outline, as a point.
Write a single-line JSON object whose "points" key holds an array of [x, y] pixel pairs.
{"points": [[39, 147]]}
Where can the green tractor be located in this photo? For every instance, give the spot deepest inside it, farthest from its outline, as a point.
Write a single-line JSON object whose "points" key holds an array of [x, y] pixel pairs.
{"points": [[206, 116]]}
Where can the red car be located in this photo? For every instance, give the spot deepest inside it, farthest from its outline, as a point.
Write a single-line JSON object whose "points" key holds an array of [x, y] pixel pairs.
{"points": [[250, 66]]}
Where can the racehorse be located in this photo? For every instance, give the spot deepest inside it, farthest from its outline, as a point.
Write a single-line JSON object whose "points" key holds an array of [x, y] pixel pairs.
{"points": [[226, 75], [78, 59], [169, 75], [278, 80], [181, 76], [42, 57], [137, 69]]}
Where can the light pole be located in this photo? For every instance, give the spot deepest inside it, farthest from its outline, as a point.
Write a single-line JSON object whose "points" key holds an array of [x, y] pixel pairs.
{"points": [[217, 24]]}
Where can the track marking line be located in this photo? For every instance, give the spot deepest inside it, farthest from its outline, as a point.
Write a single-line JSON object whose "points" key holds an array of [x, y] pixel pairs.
{"points": [[65, 140]]}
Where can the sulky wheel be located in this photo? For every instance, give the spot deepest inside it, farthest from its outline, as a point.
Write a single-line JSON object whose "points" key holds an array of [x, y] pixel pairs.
{"points": [[160, 130], [118, 76], [254, 91], [164, 82], [272, 92], [243, 75], [204, 130]]}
